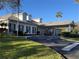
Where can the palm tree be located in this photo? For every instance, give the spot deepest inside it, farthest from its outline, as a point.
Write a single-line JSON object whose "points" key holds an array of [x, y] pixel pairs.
{"points": [[59, 14]]}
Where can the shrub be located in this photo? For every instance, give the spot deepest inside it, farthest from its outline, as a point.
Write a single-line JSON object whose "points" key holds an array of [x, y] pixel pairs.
{"points": [[66, 34], [20, 33], [70, 34], [75, 31]]}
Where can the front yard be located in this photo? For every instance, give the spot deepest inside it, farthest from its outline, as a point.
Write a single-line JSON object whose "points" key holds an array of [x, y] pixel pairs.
{"points": [[18, 48]]}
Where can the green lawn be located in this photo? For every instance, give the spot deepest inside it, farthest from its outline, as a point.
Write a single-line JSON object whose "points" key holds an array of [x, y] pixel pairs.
{"points": [[13, 48], [77, 39], [73, 39]]}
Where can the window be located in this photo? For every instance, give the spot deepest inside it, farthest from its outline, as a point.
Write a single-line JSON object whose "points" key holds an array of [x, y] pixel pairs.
{"points": [[28, 29], [9, 27], [12, 27], [33, 29], [21, 28]]}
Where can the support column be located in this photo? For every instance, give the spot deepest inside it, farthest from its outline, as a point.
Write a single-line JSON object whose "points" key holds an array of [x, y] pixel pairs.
{"points": [[36, 31], [69, 28], [8, 28], [24, 28], [31, 30], [54, 32]]}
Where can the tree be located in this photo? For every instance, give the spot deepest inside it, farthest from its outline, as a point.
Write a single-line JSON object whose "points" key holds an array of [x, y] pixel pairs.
{"points": [[59, 14], [77, 1], [2, 24], [14, 4], [3, 27], [9, 3]]}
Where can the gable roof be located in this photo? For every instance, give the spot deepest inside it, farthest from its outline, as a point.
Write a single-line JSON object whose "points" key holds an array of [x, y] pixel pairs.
{"points": [[14, 18], [5, 16]]}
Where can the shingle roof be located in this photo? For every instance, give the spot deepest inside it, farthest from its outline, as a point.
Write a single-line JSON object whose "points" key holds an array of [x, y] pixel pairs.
{"points": [[5, 16], [8, 16], [56, 23]]}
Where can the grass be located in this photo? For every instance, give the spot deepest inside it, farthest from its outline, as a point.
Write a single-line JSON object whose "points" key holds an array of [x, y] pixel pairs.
{"points": [[73, 39], [14, 48]]}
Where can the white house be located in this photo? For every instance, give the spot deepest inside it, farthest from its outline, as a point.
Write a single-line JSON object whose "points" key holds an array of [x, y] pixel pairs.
{"points": [[23, 24]]}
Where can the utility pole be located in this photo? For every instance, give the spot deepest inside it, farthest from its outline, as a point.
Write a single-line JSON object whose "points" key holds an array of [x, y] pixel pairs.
{"points": [[18, 10]]}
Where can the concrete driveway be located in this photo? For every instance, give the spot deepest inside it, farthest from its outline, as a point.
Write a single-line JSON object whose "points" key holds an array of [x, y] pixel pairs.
{"points": [[58, 44]]}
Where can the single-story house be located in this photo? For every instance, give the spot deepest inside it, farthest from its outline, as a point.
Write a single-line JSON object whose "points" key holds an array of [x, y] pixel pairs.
{"points": [[56, 28], [26, 24]]}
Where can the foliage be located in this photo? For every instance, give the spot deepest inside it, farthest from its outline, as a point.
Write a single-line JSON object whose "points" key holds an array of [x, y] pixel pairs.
{"points": [[9, 3], [65, 34], [3, 24], [75, 31], [70, 34], [59, 14], [3, 27], [77, 1]]}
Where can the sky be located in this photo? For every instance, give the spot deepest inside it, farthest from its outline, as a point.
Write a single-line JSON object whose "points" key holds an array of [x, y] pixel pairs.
{"points": [[46, 9]]}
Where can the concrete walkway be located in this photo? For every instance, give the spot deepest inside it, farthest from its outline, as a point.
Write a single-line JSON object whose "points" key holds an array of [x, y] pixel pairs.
{"points": [[53, 44]]}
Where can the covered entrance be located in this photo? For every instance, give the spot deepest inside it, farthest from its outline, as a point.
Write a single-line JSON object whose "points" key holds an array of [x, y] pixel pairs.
{"points": [[52, 32]]}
